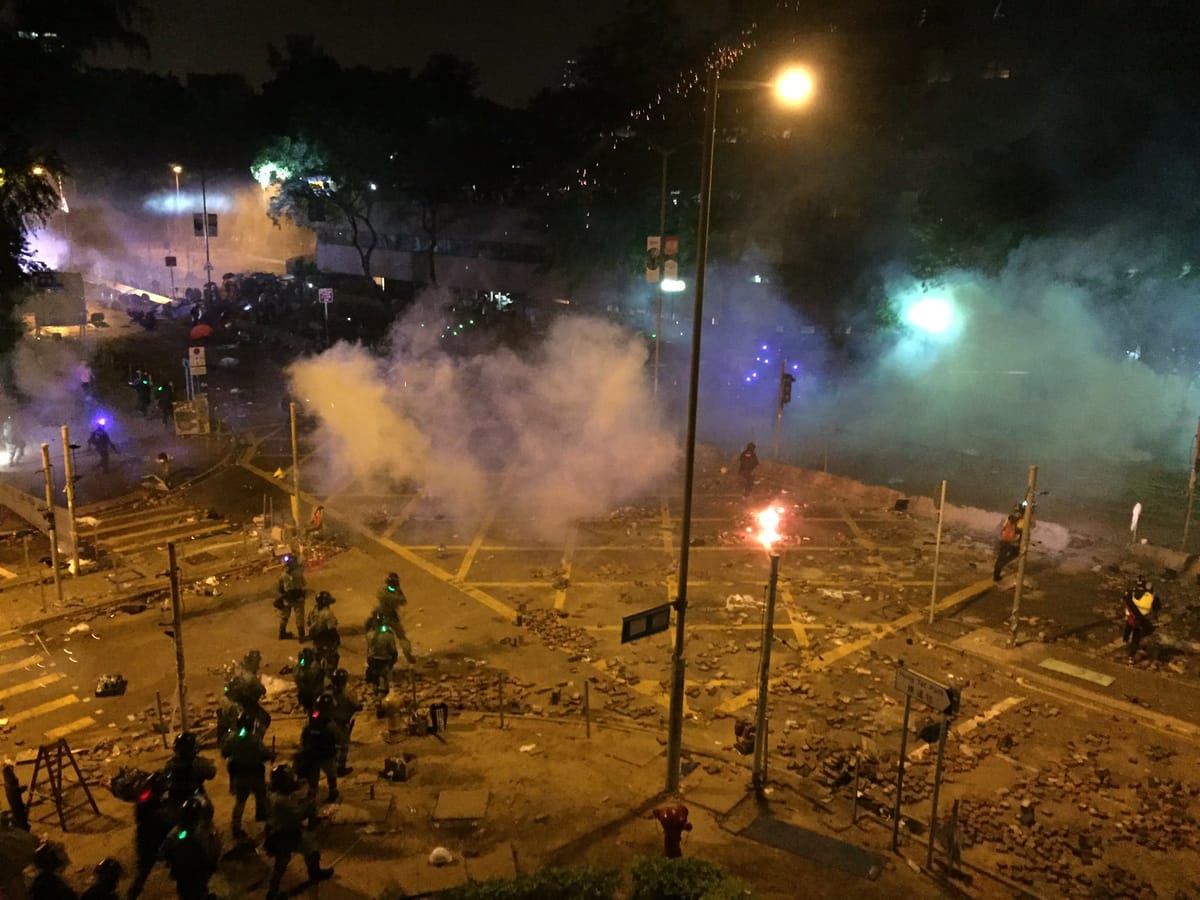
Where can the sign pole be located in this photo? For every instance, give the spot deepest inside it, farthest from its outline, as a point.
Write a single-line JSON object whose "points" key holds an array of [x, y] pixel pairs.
{"points": [[51, 526], [764, 682], [295, 469], [937, 551], [1191, 488], [69, 475], [937, 788], [177, 621], [900, 774]]}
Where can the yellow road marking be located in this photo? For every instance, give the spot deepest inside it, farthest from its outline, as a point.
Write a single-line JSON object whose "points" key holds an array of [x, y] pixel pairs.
{"points": [[971, 724], [26, 686], [14, 644], [20, 664], [560, 595], [404, 553], [798, 629], [63, 730], [34, 711], [859, 535], [881, 631], [691, 627]]}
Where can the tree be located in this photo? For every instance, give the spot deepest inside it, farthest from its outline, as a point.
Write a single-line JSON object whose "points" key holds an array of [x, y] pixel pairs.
{"points": [[315, 182]]}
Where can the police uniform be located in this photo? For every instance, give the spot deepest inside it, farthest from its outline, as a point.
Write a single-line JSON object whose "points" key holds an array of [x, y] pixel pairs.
{"points": [[345, 707], [247, 758], [287, 831], [191, 853], [151, 817], [323, 628], [186, 772], [309, 679], [292, 589], [318, 749]]}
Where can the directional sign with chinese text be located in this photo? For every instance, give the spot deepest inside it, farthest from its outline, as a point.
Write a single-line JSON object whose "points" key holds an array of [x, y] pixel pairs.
{"points": [[325, 295], [645, 623], [197, 361], [926, 690]]}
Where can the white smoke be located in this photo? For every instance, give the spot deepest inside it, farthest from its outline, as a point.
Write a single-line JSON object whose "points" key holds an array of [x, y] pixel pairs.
{"points": [[566, 432]]}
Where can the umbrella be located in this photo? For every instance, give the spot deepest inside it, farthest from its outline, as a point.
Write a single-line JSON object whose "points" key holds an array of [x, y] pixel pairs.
{"points": [[201, 331]]}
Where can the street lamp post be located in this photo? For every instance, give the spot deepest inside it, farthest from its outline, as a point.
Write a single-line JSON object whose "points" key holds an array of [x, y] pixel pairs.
{"points": [[662, 226], [204, 208], [792, 87]]}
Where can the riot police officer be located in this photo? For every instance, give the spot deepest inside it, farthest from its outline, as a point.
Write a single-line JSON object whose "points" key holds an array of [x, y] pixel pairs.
{"points": [[345, 707], [186, 771], [289, 830], [323, 628], [292, 591], [247, 758], [152, 822], [309, 678], [318, 749], [191, 851], [388, 600]]}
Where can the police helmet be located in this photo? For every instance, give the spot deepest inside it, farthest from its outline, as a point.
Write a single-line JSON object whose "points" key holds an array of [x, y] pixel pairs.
{"points": [[185, 744], [108, 871], [324, 703], [393, 581], [252, 660], [245, 723], [154, 785], [50, 856], [291, 561], [307, 655], [325, 599], [339, 678], [283, 779]]}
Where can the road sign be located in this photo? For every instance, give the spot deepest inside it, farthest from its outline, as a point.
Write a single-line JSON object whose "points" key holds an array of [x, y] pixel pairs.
{"points": [[170, 262], [198, 224], [197, 361], [938, 696], [192, 416], [325, 295], [645, 623]]}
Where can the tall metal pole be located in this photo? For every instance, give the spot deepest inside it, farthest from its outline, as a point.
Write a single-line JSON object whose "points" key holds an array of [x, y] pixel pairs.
{"points": [[764, 682], [937, 550], [662, 226], [937, 789], [204, 207], [51, 526], [69, 475], [678, 666], [177, 621], [1191, 488], [1026, 528], [295, 469], [900, 773]]}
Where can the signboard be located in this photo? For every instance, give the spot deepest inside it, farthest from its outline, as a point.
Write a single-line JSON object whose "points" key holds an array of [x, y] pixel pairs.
{"points": [[325, 295], [670, 246], [645, 623], [191, 416], [169, 262], [198, 224], [653, 261], [197, 361], [670, 270], [938, 696]]}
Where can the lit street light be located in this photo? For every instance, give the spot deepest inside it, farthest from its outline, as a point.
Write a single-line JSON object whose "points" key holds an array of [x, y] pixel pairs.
{"points": [[790, 89], [56, 182]]}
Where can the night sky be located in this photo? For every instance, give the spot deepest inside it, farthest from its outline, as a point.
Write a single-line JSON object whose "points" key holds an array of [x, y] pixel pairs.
{"points": [[518, 45]]}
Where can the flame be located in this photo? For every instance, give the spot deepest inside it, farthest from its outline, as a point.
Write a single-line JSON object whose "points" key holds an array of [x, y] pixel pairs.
{"points": [[768, 525]]}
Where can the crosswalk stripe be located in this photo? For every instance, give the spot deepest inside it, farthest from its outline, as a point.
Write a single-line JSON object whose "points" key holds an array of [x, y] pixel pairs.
{"points": [[34, 711], [13, 644], [26, 686], [63, 730], [20, 664]]}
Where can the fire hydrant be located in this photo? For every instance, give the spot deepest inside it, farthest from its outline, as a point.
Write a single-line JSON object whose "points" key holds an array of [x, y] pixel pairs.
{"points": [[674, 822]]}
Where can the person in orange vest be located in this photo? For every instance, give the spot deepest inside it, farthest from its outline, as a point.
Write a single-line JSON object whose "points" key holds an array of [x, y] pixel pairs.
{"points": [[1008, 547]]}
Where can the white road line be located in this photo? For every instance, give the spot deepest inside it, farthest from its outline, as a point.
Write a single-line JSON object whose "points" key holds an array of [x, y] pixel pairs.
{"points": [[33, 712], [20, 664], [63, 730], [27, 686], [971, 724]]}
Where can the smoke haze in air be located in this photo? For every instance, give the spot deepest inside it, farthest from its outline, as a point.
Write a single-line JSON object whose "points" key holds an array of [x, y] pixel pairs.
{"points": [[566, 431]]}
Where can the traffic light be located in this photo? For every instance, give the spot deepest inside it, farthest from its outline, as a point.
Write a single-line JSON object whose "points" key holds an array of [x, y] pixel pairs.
{"points": [[785, 388]]}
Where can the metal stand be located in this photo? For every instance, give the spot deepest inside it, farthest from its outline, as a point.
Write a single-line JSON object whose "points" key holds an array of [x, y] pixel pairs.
{"points": [[50, 759]]}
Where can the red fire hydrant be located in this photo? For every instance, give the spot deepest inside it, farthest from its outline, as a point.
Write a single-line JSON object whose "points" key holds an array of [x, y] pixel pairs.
{"points": [[674, 822]]}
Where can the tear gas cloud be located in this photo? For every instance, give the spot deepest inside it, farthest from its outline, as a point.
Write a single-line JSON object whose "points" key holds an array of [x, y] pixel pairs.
{"points": [[563, 432], [1080, 348]]}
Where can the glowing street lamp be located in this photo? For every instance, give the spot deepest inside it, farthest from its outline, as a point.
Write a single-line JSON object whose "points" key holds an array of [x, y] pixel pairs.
{"points": [[790, 86], [56, 181]]}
